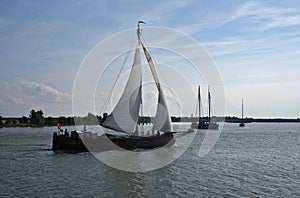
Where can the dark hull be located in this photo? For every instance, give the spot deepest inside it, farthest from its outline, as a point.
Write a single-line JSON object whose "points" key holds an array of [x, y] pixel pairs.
{"points": [[205, 125], [140, 142], [61, 143], [73, 144]]}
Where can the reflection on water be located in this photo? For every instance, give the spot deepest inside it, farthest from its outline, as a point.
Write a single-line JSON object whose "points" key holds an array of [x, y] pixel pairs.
{"points": [[257, 160]]}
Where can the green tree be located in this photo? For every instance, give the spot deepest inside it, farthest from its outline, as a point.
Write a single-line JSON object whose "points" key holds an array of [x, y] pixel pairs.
{"points": [[70, 121], [23, 120], [62, 120], [32, 117], [49, 121], [36, 117], [40, 113], [7, 122]]}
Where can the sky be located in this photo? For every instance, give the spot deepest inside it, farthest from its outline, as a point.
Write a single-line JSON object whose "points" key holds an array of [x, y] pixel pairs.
{"points": [[255, 46]]}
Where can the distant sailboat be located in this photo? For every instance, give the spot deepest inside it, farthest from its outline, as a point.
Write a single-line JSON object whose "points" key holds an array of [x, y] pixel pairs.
{"points": [[242, 124], [202, 124]]}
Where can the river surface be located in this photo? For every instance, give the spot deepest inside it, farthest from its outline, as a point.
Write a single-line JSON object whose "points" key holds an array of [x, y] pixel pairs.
{"points": [[259, 160]]}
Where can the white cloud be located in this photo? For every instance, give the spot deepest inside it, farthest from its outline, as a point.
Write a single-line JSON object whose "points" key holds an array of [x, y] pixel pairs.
{"points": [[268, 16], [235, 45], [42, 92], [19, 98], [243, 46]]}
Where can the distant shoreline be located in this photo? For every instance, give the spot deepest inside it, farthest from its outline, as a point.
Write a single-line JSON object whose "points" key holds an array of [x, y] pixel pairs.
{"points": [[69, 121]]}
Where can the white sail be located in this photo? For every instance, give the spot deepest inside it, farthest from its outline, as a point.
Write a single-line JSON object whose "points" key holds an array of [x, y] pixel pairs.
{"points": [[125, 115], [162, 120]]}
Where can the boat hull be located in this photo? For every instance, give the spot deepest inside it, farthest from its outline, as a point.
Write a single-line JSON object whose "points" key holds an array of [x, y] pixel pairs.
{"points": [[205, 125], [73, 143], [61, 143], [143, 142]]}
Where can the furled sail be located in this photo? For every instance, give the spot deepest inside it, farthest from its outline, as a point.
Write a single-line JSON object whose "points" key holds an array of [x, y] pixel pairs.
{"points": [[124, 116], [162, 120]]}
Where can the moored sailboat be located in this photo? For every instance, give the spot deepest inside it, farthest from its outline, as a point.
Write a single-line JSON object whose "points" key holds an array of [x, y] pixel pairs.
{"points": [[202, 123], [242, 124]]}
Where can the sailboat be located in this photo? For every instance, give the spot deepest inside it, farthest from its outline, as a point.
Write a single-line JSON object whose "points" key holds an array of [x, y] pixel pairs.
{"points": [[202, 124], [123, 119], [242, 124]]}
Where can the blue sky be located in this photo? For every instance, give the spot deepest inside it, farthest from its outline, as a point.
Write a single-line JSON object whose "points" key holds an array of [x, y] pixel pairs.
{"points": [[255, 45]]}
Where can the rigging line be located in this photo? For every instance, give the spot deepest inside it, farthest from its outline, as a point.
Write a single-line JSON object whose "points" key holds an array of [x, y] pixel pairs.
{"points": [[201, 106], [117, 78], [197, 103], [196, 113], [211, 107], [161, 74]]}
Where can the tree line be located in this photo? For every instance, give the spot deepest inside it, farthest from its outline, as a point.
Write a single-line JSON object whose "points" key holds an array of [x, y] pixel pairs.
{"points": [[37, 119]]}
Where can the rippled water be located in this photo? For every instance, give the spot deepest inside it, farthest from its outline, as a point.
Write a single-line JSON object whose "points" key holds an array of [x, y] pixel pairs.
{"points": [[256, 161]]}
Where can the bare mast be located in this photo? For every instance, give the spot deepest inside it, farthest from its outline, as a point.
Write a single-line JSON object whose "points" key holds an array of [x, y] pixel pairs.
{"points": [[209, 104]]}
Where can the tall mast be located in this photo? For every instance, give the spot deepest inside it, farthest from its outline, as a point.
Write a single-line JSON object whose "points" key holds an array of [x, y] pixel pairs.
{"points": [[209, 107], [139, 34], [242, 108], [199, 102], [139, 30]]}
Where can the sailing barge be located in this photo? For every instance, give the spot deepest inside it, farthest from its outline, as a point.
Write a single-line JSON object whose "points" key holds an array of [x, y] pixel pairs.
{"points": [[123, 120]]}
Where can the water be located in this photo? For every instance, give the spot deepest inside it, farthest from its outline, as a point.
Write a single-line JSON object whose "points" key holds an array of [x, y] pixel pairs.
{"points": [[259, 160]]}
